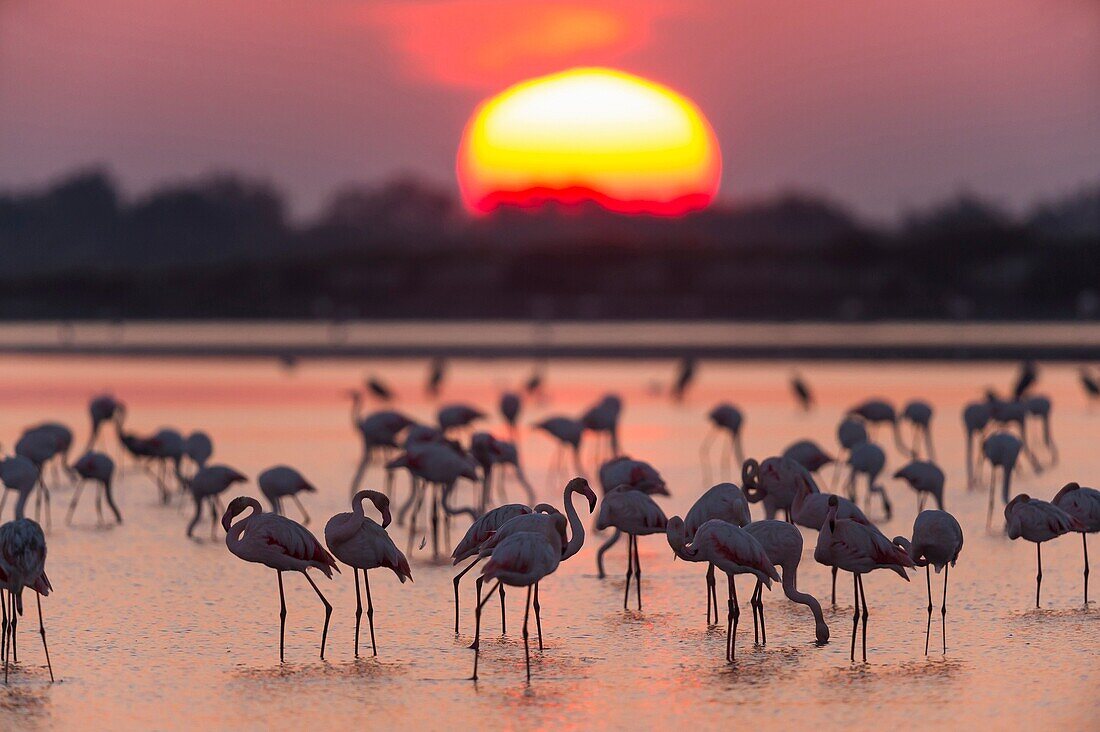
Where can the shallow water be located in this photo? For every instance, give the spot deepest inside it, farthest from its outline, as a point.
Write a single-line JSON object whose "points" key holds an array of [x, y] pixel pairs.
{"points": [[150, 630]]}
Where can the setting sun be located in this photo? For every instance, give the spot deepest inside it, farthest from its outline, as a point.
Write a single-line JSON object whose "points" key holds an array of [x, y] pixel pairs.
{"points": [[589, 134]]}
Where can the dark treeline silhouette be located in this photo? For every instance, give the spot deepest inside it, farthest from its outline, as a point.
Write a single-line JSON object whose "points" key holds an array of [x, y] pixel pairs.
{"points": [[225, 247]]}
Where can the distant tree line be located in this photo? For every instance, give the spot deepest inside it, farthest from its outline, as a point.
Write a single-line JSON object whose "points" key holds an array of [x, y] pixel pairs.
{"points": [[225, 246]]}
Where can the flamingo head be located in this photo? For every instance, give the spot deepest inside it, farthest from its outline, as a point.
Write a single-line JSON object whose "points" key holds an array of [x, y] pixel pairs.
{"points": [[380, 500], [546, 508], [236, 507], [834, 506], [580, 485], [677, 535]]}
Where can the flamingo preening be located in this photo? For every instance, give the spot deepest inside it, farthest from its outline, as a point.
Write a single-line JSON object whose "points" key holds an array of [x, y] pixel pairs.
{"points": [[724, 418], [281, 544], [937, 541], [22, 564], [1038, 521], [775, 481], [1082, 504]]}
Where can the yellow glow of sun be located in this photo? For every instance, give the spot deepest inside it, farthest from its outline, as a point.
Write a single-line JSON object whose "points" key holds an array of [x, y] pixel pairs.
{"points": [[594, 134]]}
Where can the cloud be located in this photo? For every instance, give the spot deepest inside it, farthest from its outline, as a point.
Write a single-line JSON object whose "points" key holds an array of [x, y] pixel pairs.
{"points": [[485, 44]]}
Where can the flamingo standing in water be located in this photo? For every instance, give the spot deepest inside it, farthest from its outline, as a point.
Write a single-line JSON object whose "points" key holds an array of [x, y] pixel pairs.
{"points": [[926, 478], [207, 485], [811, 509], [879, 411], [1037, 521], [20, 475], [775, 482], [22, 564], [479, 532], [378, 432], [976, 416], [782, 542], [199, 448], [734, 551], [523, 560], [724, 501], [858, 549], [603, 419], [98, 467], [1082, 504], [1002, 450], [440, 466], [1014, 412], [937, 541], [868, 459], [281, 482], [281, 544], [635, 514], [360, 543], [802, 393], [918, 413], [637, 475], [568, 433], [725, 418]]}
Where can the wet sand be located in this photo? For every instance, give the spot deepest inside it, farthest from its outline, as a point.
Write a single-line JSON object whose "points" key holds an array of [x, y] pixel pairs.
{"points": [[149, 630]]}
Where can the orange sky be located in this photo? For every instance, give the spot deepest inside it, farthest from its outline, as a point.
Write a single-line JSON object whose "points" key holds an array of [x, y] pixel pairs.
{"points": [[882, 104]]}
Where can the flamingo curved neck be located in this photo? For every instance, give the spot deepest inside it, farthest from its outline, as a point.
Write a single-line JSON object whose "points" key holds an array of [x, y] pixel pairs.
{"points": [[790, 589], [576, 526], [236, 531]]}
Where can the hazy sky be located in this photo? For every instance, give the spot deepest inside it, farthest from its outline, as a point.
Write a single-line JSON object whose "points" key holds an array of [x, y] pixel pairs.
{"points": [[883, 104]]}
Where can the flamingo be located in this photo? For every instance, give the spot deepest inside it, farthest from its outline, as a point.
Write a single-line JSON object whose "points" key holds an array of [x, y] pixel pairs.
{"points": [[730, 548], [1082, 504], [454, 416], [850, 433], [775, 482], [283, 481], [378, 432], [1025, 379], [603, 419], [1090, 384], [281, 544], [1038, 521], [937, 541], [724, 501], [1001, 449], [378, 388], [635, 514], [522, 560], [926, 478], [567, 432], [782, 542], [38, 446], [23, 564], [728, 418], [510, 405], [1015, 413], [436, 371], [802, 393], [62, 438], [102, 408], [855, 548], [810, 508], [919, 414], [808, 454], [98, 467], [168, 448], [637, 475], [441, 466], [207, 484], [479, 532], [976, 416], [360, 543], [685, 375], [198, 447], [20, 475], [1039, 407], [868, 459], [877, 411]]}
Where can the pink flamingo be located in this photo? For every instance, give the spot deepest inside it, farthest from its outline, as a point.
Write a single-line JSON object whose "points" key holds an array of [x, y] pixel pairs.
{"points": [[1002, 450], [782, 542], [568, 433], [879, 411], [457, 416], [360, 543], [724, 418], [937, 541], [868, 459], [811, 509], [102, 408], [439, 465], [479, 532], [510, 404], [523, 560], [919, 414], [22, 564], [98, 467], [20, 475], [603, 419], [281, 482], [733, 550], [1037, 521], [635, 514], [1082, 504], [926, 478], [281, 544], [724, 501], [809, 455], [850, 433], [858, 549], [208, 484], [378, 433], [775, 482], [976, 416]]}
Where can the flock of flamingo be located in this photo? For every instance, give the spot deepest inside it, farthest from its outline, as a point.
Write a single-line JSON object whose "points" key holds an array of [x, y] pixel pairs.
{"points": [[519, 545]]}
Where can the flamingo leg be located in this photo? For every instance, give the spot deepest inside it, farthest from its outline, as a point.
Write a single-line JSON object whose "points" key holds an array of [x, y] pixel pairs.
{"points": [[863, 598], [755, 619], [1039, 574], [969, 460], [3, 500], [4, 637], [526, 641], [196, 517], [738, 451], [834, 585], [603, 550], [282, 615], [477, 612], [629, 568], [637, 573], [457, 579], [503, 614], [358, 609], [477, 637], [855, 616], [992, 487], [1085, 548], [760, 609], [72, 503], [328, 612], [732, 619], [710, 589], [370, 613], [213, 520], [42, 632], [928, 628], [99, 505], [943, 608], [11, 634], [298, 503], [538, 615], [435, 522]]}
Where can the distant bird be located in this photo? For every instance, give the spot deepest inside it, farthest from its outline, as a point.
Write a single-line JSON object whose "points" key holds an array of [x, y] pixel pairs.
{"points": [[1090, 385], [1025, 379], [479, 532], [603, 420], [510, 405], [879, 411], [439, 467], [1002, 450], [436, 371], [775, 482], [725, 418], [1013, 413], [281, 544], [198, 447], [937, 541], [39, 446], [868, 459], [457, 416], [636, 475], [1038, 521], [685, 375], [533, 385], [802, 393], [724, 501], [363, 545], [1039, 406], [808, 454], [568, 433], [20, 475], [102, 408], [1082, 504], [782, 543], [976, 416], [926, 478], [378, 434], [734, 551], [378, 388], [635, 514], [281, 482], [858, 549], [850, 433], [23, 564], [207, 485], [98, 467], [918, 413], [522, 560]]}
